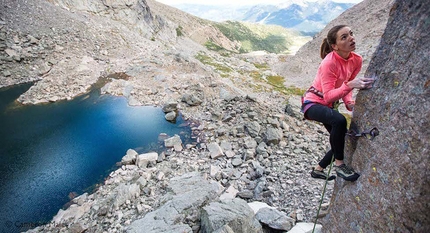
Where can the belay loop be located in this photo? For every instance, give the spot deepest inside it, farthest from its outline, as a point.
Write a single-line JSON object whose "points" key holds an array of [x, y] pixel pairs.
{"points": [[369, 134]]}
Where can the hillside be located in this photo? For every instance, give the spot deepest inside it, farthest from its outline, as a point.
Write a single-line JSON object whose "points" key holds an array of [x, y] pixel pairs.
{"points": [[257, 37]]}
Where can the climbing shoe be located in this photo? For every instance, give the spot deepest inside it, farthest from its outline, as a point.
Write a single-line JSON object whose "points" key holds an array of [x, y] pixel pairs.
{"points": [[346, 172], [321, 175]]}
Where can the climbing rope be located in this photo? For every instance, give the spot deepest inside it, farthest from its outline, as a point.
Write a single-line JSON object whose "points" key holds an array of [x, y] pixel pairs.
{"points": [[322, 196]]}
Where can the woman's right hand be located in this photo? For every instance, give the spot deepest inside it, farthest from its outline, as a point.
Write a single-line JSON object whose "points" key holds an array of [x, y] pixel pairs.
{"points": [[361, 83]]}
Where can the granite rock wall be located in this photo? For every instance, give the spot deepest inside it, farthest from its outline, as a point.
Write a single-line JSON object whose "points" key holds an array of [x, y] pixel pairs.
{"points": [[392, 194]]}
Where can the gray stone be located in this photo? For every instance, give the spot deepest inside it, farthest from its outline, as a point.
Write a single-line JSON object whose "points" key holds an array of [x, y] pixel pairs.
{"points": [[236, 162], [253, 128], [226, 95], [130, 157], [170, 107], [249, 143], [234, 213], [225, 145], [141, 182], [246, 194], [192, 99], [158, 226], [187, 193], [126, 192], [215, 150], [77, 228], [261, 148], [273, 135], [274, 219], [143, 159], [172, 141], [170, 116]]}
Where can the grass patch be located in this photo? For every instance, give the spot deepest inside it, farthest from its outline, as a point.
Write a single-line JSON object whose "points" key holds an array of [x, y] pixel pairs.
{"points": [[210, 45], [221, 68], [214, 47], [293, 90], [276, 81], [263, 66]]}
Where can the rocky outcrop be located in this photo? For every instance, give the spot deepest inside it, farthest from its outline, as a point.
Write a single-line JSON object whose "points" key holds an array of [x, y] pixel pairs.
{"points": [[393, 192]]}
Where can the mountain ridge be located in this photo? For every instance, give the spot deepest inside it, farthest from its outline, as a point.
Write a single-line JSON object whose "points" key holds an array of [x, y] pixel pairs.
{"points": [[289, 15]]}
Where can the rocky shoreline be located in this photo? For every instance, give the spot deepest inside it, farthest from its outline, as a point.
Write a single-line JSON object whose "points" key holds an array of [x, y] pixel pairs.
{"points": [[251, 151]]}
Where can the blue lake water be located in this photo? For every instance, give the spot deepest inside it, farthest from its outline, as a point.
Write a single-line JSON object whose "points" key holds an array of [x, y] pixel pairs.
{"points": [[50, 150]]}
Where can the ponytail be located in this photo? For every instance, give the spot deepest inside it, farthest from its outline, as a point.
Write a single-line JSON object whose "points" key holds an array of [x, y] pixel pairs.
{"points": [[325, 48]]}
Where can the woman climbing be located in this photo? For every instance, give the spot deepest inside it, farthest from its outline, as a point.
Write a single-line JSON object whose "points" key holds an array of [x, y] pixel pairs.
{"points": [[335, 80]]}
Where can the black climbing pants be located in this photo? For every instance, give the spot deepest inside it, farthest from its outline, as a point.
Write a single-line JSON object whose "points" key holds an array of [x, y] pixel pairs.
{"points": [[335, 123]]}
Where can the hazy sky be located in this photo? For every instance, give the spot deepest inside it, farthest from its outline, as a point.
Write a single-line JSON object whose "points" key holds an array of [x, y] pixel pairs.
{"points": [[237, 2]]}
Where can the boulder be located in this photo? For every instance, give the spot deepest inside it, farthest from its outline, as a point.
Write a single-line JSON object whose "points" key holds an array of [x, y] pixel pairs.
{"points": [[170, 107], [170, 116], [235, 214], [130, 157], [393, 191], [187, 194], [274, 219], [143, 159], [172, 141]]}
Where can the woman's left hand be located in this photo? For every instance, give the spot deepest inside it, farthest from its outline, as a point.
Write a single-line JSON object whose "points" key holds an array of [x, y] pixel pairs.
{"points": [[350, 106]]}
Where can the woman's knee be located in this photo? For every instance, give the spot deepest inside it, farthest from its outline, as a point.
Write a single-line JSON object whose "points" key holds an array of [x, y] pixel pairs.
{"points": [[339, 120]]}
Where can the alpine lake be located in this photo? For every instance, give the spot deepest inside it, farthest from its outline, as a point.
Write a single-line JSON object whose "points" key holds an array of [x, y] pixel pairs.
{"points": [[49, 151]]}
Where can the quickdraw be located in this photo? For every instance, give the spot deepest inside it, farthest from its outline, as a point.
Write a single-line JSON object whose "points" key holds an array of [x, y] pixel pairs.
{"points": [[369, 134]]}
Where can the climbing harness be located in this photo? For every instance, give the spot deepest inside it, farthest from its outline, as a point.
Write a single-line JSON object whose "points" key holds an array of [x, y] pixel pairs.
{"points": [[312, 89], [369, 134]]}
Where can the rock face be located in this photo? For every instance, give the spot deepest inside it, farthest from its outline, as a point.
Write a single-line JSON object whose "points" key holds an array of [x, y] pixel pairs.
{"points": [[393, 192]]}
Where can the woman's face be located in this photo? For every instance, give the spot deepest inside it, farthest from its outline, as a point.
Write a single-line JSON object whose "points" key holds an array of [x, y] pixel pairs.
{"points": [[345, 42]]}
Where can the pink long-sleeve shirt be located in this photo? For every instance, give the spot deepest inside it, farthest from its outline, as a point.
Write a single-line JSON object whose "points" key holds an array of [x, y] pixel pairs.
{"points": [[333, 74]]}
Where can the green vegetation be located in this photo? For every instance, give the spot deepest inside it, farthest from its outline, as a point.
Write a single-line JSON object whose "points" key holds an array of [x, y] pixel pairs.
{"points": [[214, 47], [278, 83], [257, 37], [179, 31], [263, 66], [294, 90], [220, 68]]}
